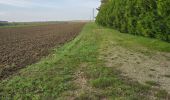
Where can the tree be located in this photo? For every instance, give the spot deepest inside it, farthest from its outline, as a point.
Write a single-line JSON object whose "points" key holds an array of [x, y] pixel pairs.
{"points": [[149, 18]]}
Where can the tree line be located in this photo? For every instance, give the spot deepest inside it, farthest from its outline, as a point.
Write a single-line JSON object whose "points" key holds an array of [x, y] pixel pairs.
{"points": [[3, 23], [150, 18]]}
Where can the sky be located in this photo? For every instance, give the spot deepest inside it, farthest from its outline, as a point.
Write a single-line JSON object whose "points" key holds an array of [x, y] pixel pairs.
{"points": [[47, 10]]}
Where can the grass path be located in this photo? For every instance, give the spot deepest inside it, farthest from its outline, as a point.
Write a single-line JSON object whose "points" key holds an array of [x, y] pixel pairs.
{"points": [[80, 70]]}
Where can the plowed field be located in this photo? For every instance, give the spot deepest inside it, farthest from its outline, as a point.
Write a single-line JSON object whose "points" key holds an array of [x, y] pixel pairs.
{"points": [[22, 46]]}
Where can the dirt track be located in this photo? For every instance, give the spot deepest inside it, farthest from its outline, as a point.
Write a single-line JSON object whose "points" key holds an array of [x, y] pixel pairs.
{"points": [[23, 46], [148, 69]]}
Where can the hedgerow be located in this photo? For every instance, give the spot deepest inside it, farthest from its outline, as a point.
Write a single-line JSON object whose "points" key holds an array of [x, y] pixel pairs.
{"points": [[150, 18]]}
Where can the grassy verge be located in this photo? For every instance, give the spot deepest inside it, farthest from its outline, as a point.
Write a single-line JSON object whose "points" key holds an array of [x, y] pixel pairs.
{"points": [[137, 42], [55, 77]]}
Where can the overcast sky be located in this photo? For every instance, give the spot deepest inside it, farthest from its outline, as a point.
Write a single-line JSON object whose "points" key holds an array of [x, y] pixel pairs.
{"points": [[46, 10]]}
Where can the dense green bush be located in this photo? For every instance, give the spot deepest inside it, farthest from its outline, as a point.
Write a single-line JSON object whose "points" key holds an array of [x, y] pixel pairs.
{"points": [[149, 18]]}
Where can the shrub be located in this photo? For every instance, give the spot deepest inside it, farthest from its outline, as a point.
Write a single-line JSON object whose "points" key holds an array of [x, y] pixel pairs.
{"points": [[150, 18]]}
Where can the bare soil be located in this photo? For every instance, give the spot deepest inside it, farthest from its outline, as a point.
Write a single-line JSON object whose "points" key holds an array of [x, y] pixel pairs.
{"points": [[23, 46]]}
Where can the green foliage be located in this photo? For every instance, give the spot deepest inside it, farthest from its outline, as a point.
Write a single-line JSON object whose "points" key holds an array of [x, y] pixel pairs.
{"points": [[150, 18], [102, 82]]}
